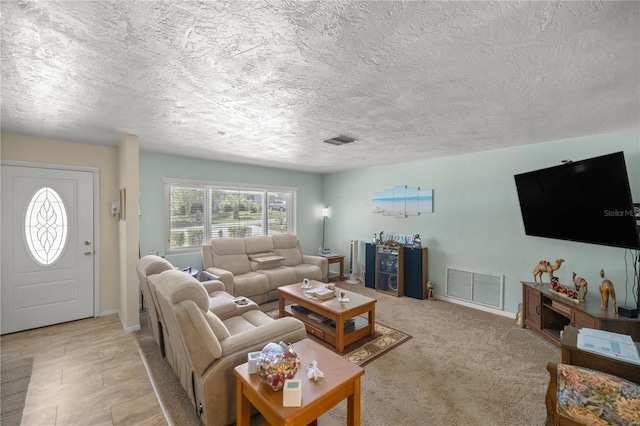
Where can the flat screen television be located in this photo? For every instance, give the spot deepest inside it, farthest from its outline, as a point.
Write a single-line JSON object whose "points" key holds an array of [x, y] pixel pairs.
{"points": [[587, 201]]}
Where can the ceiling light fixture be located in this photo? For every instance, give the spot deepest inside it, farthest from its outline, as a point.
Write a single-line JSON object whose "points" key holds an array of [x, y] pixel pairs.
{"points": [[339, 140]]}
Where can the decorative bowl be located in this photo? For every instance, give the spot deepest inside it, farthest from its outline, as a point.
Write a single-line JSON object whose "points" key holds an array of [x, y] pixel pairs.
{"points": [[276, 363]]}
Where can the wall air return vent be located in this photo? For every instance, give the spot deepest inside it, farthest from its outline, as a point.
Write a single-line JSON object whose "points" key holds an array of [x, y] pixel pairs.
{"points": [[339, 140], [476, 287]]}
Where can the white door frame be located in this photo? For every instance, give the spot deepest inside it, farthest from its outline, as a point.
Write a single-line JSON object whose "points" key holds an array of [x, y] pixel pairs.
{"points": [[96, 216]]}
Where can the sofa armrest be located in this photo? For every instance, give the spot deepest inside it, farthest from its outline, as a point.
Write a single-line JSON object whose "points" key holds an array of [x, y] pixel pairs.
{"points": [[286, 329], [222, 275], [319, 261], [213, 285], [201, 345], [210, 276]]}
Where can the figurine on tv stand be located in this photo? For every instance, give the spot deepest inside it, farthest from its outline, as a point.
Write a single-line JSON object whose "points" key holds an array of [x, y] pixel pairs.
{"points": [[581, 286], [606, 291], [546, 266]]}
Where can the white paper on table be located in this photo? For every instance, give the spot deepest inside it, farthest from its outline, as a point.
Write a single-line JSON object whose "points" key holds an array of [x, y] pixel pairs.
{"points": [[614, 345]]}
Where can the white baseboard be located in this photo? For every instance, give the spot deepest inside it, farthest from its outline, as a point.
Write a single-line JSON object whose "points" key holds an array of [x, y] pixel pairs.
{"points": [[116, 312], [132, 329]]}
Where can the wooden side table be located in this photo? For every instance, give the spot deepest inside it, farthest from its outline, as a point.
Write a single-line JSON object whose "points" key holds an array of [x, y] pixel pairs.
{"points": [[337, 258], [341, 380]]}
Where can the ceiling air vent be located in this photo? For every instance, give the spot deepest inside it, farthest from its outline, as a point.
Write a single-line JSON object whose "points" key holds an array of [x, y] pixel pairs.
{"points": [[339, 140]]}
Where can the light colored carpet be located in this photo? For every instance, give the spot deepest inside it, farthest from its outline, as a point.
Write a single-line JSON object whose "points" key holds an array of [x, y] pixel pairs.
{"points": [[16, 375], [461, 367]]}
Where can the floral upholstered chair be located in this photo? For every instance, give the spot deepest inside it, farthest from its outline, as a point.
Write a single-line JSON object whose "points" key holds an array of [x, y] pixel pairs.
{"points": [[590, 397]]}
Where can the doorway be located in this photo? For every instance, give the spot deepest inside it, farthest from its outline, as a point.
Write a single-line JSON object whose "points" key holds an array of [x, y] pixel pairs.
{"points": [[48, 246]]}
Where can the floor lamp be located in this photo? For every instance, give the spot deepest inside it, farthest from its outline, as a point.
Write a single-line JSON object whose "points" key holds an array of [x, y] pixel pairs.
{"points": [[325, 213]]}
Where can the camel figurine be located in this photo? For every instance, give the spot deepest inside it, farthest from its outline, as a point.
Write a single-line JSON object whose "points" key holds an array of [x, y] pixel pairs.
{"points": [[607, 291], [581, 286], [545, 266]]}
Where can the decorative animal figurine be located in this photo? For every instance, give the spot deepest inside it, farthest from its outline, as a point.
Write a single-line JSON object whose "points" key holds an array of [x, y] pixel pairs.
{"points": [[545, 266], [581, 286], [607, 291], [431, 288]]}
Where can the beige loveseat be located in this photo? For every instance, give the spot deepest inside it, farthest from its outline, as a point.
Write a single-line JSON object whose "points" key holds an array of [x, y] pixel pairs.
{"points": [[255, 267], [205, 349]]}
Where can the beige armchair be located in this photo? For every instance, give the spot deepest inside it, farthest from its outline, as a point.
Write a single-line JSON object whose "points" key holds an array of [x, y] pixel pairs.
{"points": [[151, 265], [221, 303], [205, 349]]}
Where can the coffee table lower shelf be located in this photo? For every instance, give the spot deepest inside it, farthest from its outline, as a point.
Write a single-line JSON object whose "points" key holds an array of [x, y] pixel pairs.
{"points": [[327, 333]]}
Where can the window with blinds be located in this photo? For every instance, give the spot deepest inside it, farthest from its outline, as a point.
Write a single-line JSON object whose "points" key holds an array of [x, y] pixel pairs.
{"points": [[196, 212]]}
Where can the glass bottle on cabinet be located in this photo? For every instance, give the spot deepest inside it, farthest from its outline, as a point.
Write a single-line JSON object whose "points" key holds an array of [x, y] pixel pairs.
{"points": [[390, 270]]}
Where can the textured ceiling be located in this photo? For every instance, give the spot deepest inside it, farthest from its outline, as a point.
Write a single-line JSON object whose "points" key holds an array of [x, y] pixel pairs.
{"points": [[264, 82]]}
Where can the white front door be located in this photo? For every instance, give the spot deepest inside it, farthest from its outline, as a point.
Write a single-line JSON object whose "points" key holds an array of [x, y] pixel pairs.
{"points": [[47, 247]]}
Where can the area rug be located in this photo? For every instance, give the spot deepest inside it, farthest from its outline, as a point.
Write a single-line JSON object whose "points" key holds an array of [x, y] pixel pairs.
{"points": [[366, 350], [16, 375]]}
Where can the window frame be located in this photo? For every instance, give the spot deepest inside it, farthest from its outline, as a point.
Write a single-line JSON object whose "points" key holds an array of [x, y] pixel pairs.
{"points": [[206, 186]]}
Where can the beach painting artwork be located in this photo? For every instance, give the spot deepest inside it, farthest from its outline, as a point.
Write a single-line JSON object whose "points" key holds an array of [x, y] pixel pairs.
{"points": [[411, 201], [383, 202], [402, 201], [425, 201]]}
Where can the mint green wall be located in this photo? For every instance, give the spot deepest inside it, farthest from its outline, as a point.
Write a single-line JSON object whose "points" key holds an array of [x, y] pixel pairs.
{"points": [[476, 224], [154, 167]]}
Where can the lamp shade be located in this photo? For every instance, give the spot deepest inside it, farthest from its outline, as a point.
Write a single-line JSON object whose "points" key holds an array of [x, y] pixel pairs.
{"points": [[325, 211]]}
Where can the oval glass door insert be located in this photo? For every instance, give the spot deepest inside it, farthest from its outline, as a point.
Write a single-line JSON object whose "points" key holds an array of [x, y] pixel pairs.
{"points": [[46, 226]]}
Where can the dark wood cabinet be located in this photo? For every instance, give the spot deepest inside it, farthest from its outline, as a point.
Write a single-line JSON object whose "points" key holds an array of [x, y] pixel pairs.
{"points": [[548, 314], [532, 300], [401, 271], [390, 270]]}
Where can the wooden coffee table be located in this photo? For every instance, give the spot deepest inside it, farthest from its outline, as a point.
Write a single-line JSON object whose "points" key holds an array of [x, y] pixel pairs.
{"points": [[341, 380], [333, 310]]}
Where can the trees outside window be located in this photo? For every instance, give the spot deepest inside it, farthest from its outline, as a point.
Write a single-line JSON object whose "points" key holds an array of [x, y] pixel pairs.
{"points": [[230, 212]]}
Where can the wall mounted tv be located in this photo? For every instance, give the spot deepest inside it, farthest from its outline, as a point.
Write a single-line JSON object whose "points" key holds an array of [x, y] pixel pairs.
{"points": [[587, 201]]}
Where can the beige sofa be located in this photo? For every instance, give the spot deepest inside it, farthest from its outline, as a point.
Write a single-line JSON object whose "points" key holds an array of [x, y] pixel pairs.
{"points": [[255, 267], [205, 349]]}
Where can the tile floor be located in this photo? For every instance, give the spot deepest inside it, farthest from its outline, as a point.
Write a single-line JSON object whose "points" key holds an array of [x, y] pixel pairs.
{"points": [[85, 372]]}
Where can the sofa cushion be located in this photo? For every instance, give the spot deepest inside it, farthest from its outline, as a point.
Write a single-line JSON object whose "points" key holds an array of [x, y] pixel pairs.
{"points": [[247, 321], [286, 245], [282, 275], [283, 241], [250, 284], [306, 270], [229, 254], [258, 244], [217, 326], [222, 246], [593, 397]]}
